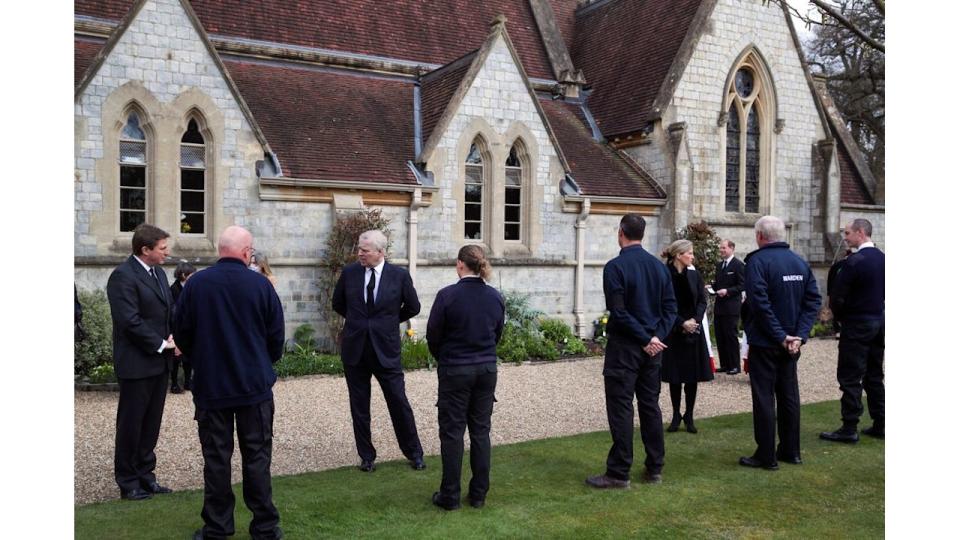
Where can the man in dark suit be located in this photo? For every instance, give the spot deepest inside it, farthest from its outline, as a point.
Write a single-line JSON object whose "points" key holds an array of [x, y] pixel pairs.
{"points": [[639, 295], [229, 322], [781, 306], [728, 284], [375, 297], [140, 306], [858, 302]]}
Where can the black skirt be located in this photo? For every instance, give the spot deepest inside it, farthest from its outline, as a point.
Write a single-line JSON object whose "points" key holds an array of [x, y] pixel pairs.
{"points": [[686, 359]]}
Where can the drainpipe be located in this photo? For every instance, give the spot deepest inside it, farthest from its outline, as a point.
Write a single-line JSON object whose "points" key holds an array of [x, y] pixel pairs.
{"points": [[581, 227], [416, 203]]}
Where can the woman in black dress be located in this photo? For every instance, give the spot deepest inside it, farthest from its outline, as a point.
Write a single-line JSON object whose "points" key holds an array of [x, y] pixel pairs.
{"points": [[465, 324], [685, 360]]}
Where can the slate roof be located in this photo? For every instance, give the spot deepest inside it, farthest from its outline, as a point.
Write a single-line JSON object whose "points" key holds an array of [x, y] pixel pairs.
{"points": [[626, 48], [437, 88], [597, 168], [852, 189], [331, 124], [84, 51], [427, 31]]}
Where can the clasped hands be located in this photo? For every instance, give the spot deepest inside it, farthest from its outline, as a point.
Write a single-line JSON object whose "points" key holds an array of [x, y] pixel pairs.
{"points": [[655, 346], [792, 344]]}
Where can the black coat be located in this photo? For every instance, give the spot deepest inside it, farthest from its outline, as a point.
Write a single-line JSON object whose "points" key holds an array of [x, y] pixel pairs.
{"points": [[686, 358], [230, 324], [730, 279], [141, 312], [465, 323], [396, 302]]}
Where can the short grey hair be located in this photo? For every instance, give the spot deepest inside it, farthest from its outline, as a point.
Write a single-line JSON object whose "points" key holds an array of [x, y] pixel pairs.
{"points": [[376, 238], [862, 225], [771, 228]]}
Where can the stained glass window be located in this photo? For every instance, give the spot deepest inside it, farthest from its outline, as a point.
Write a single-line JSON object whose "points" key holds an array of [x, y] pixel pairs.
{"points": [[733, 160]]}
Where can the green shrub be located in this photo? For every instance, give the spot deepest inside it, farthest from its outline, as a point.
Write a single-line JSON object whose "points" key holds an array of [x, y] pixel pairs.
{"points": [[512, 346], [562, 336], [303, 336], [300, 362], [415, 354], [103, 374], [822, 328], [538, 347], [97, 348], [518, 310]]}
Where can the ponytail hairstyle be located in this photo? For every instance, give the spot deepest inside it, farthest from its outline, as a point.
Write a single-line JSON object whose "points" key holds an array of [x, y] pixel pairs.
{"points": [[473, 258], [676, 248]]}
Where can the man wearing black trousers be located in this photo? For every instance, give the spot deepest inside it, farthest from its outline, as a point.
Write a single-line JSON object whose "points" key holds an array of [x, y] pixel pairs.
{"points": [[858, 302], [375, 297], [140, 307], [229, 322], [781, 306], [465, 324], [727, 285], [639, 295]]}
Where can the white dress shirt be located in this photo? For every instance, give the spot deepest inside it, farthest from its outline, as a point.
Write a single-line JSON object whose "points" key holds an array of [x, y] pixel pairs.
{"points": [[378, 270]]}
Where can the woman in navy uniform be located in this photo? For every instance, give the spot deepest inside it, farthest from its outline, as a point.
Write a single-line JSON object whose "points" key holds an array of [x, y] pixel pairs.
{"points": [[465, 324], [686, 360]]}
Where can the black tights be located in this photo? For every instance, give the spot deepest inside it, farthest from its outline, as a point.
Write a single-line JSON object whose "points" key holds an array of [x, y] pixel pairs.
{"points": [[690, 389]]}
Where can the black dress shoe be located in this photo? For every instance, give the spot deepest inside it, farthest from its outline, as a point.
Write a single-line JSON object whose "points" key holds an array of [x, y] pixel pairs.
{"points": [[651, 478], [674, 423], [446, 506], [793, 460], [176, 390], [367, 465], [733, 371], [156, 489], [840, 435], [135, 494], [757, 464], [602, 481], [874, 431], [477, 503], [417, 464]]}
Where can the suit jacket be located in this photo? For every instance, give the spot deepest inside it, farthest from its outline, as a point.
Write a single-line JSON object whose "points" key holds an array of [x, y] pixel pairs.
{"points": [[141, 311], [396, 301], [730, 279]]}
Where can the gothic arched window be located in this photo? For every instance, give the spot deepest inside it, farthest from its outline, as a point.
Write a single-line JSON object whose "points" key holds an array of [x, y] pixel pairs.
{"points": [[133, 174], [513, 195], [473, 194], [192, 181], [749, 106]]}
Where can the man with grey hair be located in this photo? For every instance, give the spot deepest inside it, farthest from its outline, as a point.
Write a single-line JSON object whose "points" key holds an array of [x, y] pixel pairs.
{"points": [[858, 302], [781, 306], [375, 297]]}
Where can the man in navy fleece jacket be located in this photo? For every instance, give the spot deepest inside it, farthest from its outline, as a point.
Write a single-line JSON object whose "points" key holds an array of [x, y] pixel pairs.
{"points": [[229, 322]]}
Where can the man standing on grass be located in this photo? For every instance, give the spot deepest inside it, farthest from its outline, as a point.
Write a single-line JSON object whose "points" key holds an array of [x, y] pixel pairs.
{"points": [[857, 302], [727, 285], [140, 307], [229, 322], [642, 306], [781, 306]]}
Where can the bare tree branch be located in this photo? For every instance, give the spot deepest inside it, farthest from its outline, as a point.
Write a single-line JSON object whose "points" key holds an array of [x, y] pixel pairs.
{"points": [[828, 9]]}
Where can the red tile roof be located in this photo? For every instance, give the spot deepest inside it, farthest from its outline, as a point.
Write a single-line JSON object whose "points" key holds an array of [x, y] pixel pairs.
{"points": [[437, 88], [331, 125], [84, 51], [852, 190], [428, 31], [597, 168], [626, 48]]}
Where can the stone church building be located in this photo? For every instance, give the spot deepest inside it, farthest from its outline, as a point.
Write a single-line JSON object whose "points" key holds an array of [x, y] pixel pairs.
{"points": [[527, 126]]}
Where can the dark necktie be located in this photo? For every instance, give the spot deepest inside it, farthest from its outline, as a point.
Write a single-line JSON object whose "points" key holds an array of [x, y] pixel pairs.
{"points": [[370, 285], [724, 267], [156, 278]]}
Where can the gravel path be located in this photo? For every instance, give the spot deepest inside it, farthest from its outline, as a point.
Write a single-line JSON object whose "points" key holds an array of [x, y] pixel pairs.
{"points": [[312, 427]]}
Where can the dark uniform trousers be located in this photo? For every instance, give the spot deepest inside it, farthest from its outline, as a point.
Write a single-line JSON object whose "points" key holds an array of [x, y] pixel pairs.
{"points": [[728, 346], [255, 437], [776, 403], [139, 411], [621, 385], [465, 399], [859, 368], [394, 393]]}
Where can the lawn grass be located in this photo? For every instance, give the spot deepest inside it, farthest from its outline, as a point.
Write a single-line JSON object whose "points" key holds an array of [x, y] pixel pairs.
{"points": [[537, 490]]}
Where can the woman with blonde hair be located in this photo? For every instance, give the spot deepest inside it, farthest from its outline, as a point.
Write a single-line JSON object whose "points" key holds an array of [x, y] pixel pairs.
{"points": [[685, 360], [465, 324], [259, 263]]}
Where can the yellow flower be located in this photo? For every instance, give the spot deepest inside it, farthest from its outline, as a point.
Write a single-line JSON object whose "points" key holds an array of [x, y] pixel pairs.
{"points": [[411, 332], [604, 320]]}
